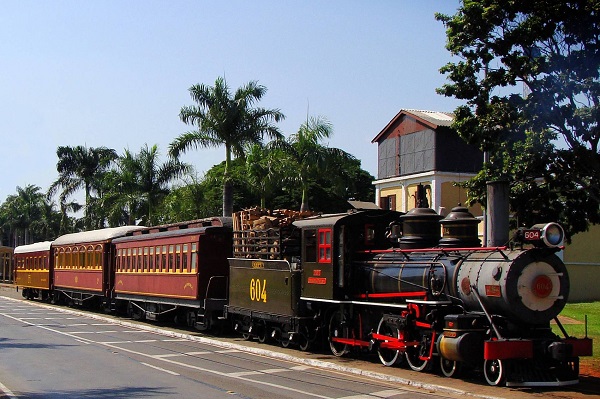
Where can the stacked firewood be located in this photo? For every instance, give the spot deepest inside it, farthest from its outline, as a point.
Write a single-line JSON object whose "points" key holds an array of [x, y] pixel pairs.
{"points": [[258, 232], [262, 219]]}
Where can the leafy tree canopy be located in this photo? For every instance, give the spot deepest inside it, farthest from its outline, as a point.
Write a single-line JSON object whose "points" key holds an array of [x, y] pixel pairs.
{"points": [[529, 73], [226, 119]]}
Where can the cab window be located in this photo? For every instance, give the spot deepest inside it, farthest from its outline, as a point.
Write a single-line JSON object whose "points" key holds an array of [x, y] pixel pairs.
{"points": [[324, 245]]}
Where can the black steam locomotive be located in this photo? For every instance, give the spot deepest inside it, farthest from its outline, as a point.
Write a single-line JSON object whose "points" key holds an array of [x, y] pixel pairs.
{"points": [[366, 280], [385, 281]]}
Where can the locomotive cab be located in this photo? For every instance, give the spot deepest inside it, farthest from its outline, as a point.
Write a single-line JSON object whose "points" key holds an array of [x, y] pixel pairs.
{"points": [[330, 245]]}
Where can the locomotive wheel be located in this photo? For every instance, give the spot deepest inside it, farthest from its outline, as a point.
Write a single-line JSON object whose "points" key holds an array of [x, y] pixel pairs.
{"points": [[263, 332], [245, 327], [412, 358], [303, 341], [450, 368], [338, 329], [285, 336], [414, 353], [389, 357], [494, 371]]}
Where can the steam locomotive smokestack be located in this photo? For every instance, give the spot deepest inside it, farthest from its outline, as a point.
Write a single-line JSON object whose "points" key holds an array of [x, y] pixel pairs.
{"points": [[497, 227]]}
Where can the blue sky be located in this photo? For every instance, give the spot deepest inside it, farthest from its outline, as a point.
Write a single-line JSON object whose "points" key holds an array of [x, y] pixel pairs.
{"points": [[116, 73]]}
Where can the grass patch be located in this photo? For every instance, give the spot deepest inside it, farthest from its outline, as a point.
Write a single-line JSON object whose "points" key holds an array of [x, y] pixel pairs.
{"points": [[578, 311]]}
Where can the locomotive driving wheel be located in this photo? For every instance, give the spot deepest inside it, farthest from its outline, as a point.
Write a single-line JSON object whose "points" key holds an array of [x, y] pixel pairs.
{"points": [[450, 368], [389, 357], [494, 371], [338, 329], [414, 354]]}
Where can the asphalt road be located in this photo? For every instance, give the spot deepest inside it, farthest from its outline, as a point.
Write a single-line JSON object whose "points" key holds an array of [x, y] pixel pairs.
{"points": [[64, 352], [48, 353]]}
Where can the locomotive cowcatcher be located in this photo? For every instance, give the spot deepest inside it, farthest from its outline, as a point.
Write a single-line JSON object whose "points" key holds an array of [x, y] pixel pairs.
{"points": [[388, 282]]}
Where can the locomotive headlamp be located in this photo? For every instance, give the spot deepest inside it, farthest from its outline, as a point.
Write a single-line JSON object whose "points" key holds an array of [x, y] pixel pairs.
{"points": [[550, 235]]}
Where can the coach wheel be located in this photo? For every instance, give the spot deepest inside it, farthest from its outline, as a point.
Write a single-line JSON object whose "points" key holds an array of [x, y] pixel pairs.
{"points": [[494, 371], [338, 329], [135, 312], [388, 357], [450, 368], [191, 318]]}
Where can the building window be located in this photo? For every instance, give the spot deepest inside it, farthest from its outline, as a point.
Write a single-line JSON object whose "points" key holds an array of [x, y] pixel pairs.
{"points": [[388, 202]]}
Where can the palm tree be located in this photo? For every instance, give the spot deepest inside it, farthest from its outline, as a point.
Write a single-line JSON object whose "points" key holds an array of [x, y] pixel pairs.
{"points": [[263, 170], [306, 158], [81, 167], [20, 213], [141, 183], [226, 120]]}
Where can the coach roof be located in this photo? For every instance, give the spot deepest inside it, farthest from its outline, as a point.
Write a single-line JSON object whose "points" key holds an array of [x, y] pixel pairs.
{"points": [[95, 235], [37, 247]]}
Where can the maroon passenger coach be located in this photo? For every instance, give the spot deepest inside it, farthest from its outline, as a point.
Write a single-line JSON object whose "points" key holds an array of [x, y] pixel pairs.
{"points": [[176, 270]]}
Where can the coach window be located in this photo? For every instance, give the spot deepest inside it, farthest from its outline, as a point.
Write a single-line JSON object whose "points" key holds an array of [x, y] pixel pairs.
{"points": [[325, 246], [132, 259], [87, 257], [171, 259], [98, 256], [165, 265], [127, 256], [119, 261], [91, 255], [72, 258], [140, 260], [82, 261], [184, 258], [157, 259], [151, 259], [146, 259], [194, 257], [178, 268], [75, 261]]}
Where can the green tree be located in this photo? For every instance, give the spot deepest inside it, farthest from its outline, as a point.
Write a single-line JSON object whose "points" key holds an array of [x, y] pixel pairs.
{"points": [[530, 71], [306, 159], [139, 184], [27, 217], [263, 171], [223, 119], [84, 168]]}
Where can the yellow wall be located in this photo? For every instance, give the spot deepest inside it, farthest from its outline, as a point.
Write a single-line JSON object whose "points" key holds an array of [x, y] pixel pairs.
{"points": [[452, 196], [582, 258]]}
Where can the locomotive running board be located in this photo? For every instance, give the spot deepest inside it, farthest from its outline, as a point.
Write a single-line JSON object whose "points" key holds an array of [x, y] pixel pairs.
{"points": [[387, 305]]}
